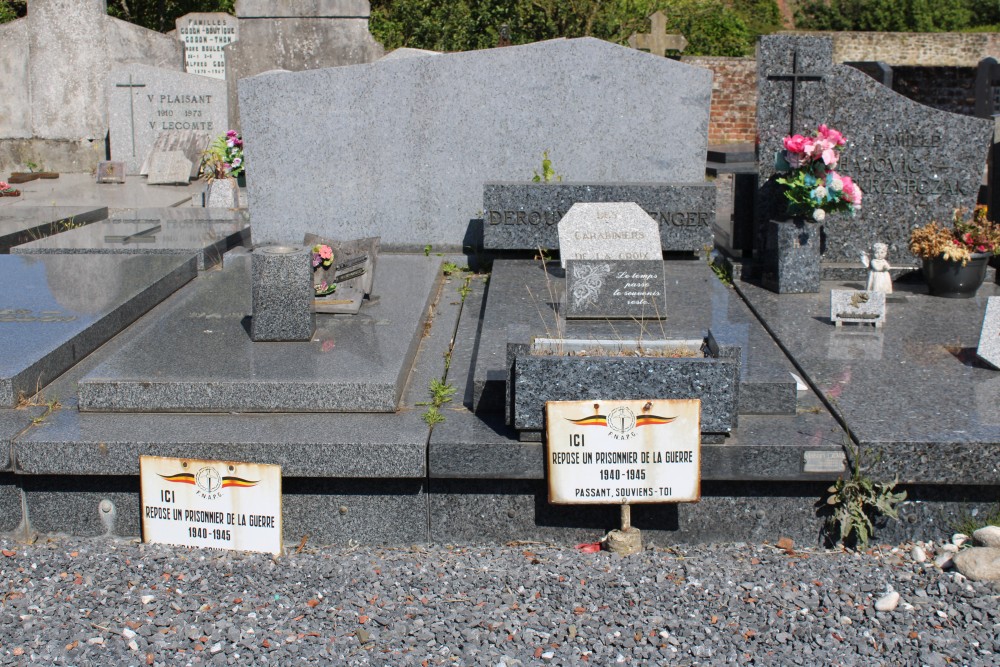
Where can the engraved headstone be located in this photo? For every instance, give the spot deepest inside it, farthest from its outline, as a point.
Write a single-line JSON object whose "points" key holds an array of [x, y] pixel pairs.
{"points": [[906, 157], [144, 102], [857, 307], [193, 143], [989, 337], [169, 168], [621, 231], [205, 35], [610, 289]]}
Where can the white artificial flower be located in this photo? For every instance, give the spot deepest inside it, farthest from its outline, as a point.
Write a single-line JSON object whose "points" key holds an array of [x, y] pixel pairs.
{"points": [[819, 215]]}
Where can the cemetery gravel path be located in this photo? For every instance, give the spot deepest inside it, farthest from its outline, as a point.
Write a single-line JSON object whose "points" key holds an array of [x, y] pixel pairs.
{"points": [[96, 602]]}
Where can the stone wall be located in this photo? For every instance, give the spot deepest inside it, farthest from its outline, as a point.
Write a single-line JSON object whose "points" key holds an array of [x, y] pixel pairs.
{"points": [[916, 49], [733, 118], [946, 88]]}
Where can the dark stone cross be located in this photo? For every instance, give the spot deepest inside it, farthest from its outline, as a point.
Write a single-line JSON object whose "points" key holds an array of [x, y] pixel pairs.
{"points": [[145, 236], [795, 76], [131, 105]]}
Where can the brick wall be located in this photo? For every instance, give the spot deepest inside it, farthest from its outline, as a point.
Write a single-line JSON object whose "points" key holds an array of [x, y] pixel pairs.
{"points": [[733, 117]]}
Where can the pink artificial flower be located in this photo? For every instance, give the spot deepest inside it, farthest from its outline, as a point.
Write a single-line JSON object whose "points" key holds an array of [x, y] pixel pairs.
{"points": [[852, 192], [831, 135], [829, 157], [795, 143], [326, 252], [4, 185], [231, 134]]}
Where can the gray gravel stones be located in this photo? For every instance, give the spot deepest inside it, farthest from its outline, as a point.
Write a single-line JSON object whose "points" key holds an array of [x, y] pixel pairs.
{"points": [[80, 602]]}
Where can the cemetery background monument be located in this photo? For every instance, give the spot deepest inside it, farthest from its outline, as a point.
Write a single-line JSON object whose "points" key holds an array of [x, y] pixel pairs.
{"points": [[53, 110]]}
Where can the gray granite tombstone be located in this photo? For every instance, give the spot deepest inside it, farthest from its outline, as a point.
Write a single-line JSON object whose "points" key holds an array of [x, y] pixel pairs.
{"points": [[410, 142], [905, 156], [204, 232], [620, 231], [989, 337], [857, 307], [144, 102], [169, 168], [205, 36], [57, 309], [523, 216]]}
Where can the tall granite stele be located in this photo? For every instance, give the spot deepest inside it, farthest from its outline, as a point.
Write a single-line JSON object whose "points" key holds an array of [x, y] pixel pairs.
{"points": [[913, 163]]}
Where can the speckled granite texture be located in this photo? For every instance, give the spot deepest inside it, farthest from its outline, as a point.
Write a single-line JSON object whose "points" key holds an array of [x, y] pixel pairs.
{"points": [[524, 216], [989, 336], [913, 393], [914, 163], [523, 296], [354, 363], [282, 294], [416, 138], [59, 308], [792, 257]]}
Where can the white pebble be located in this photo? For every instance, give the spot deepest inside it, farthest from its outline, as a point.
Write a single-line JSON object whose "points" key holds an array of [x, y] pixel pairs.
{"points": [[146, 599], [548, 655], [958, 539], [96, 640], [845, 620], [950, 548], [944, 560], [887, 602], [216, 647], [132, 645], [918, 554], [128, 633]]}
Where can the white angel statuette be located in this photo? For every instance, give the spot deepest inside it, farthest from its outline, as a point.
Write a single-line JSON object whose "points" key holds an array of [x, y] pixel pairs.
{"points": [[879, 279]]}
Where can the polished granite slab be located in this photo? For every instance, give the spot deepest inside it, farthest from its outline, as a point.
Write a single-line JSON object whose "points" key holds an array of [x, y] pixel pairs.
{"points": [[523, 297], [22, 224], [205, 233], [56, 309], [912, 393], [807, 445], [354, 363]]}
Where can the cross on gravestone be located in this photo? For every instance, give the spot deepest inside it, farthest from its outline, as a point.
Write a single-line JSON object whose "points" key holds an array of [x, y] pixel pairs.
{"points": [[657, 41], [794, 76], [145, 236], [131, 105]]}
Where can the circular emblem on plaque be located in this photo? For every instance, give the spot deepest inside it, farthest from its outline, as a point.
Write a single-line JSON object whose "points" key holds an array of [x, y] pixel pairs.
{"points": [[208, 479], [621, 420]]}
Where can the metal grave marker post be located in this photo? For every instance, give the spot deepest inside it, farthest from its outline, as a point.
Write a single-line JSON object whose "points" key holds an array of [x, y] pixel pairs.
{"points": [[215, 504]]}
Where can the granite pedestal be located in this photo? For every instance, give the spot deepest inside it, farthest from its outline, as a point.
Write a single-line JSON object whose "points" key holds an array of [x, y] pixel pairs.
{"points": [[282, 289], [792, 256]]}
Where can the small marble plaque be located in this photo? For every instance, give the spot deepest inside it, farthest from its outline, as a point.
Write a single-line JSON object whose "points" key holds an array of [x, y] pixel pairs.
{"points": [[110, 172], [169, 168], [857, 307], [615, 289], [989, 337], [621, 231]]}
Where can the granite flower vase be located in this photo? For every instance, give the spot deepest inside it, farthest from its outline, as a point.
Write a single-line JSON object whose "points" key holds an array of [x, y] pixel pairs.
{"points": [[222, 193], [792, 256], [951, 280], [283, 307]]}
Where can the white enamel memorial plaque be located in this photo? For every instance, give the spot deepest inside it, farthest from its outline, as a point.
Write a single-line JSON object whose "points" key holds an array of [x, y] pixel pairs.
{"points": [[216, 504], [614, 452]]}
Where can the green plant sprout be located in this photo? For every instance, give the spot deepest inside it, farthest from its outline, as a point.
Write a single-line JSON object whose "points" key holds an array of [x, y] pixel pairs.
{"points": [[548, 173], [441, 392], [427, 250], [855, 501]]}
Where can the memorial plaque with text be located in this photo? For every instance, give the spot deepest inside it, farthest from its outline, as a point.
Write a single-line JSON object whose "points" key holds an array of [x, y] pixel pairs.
{"points": [[215, 504], [615, 452], [205, 35], [599, 289], [621, 231], [144, 102]]}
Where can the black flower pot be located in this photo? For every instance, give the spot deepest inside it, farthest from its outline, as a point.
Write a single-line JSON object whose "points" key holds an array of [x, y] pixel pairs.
{"points": [[951, 280]]}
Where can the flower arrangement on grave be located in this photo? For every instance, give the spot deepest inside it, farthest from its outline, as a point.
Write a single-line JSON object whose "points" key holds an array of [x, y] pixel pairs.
{"points": [[976, 234], [813, 187], [322, 257], [7, 191], [224, 157]]}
